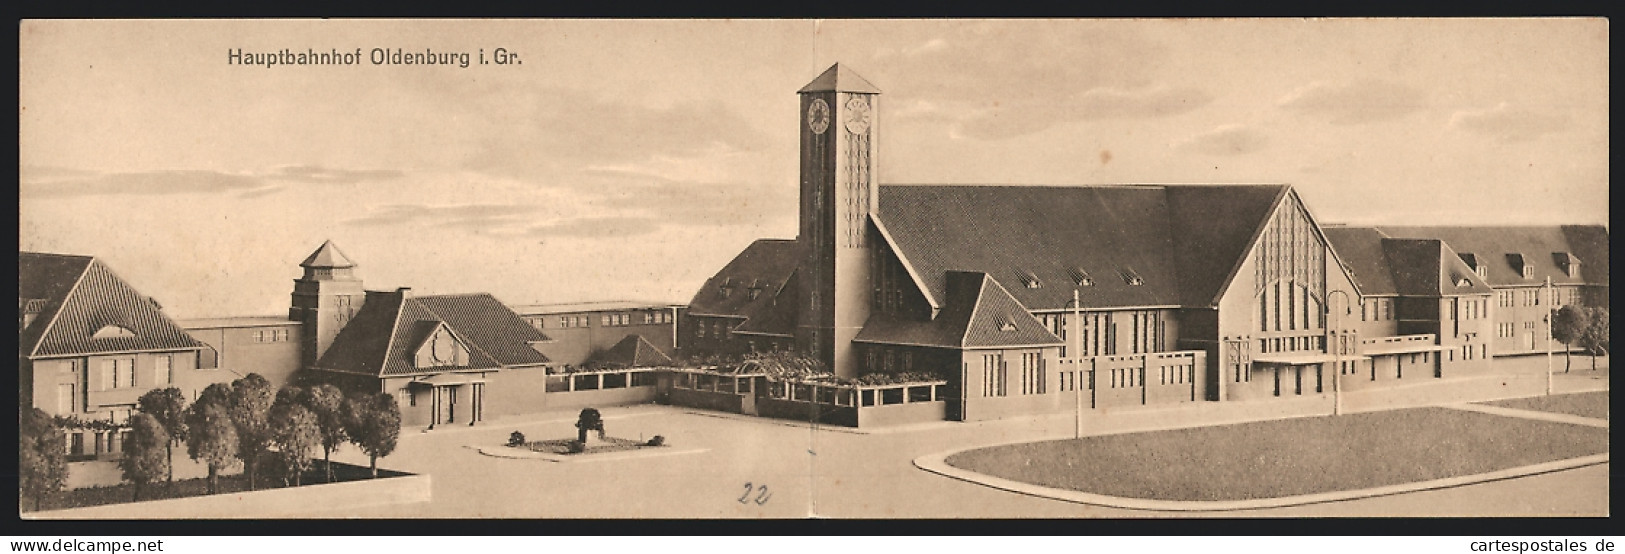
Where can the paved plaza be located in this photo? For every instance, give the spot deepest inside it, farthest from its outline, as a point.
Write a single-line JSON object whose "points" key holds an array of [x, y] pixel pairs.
{"points": [[762, 468]]}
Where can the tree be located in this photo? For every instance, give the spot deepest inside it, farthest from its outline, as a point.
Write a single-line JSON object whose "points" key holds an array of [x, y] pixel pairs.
{"points": [[327, 403], [1595, 337], [168, 406], [374, 425], [295, 434], [212, 437], [250, 407], [1568, 324], [42, 466], [144, 460]]}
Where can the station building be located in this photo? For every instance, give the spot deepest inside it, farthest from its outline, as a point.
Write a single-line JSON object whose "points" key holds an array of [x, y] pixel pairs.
{"points": [[1023, 297]]}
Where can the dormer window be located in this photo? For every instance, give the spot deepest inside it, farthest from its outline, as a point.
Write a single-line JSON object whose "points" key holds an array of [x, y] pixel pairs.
{"points": [[1007, 325], [1521, 265], [1130, 277], [1568, 263], [111, 331], [1081, 277], [1030, 280], [755, 288], [727, 286], [1474, 264]]}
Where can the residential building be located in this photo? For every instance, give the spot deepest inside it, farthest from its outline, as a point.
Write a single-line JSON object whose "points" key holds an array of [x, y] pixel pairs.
{"points": [[1518, 262], [90, 344]]}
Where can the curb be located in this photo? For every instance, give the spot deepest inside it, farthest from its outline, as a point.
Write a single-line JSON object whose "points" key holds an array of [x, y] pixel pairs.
{"points": [[936, 463]]}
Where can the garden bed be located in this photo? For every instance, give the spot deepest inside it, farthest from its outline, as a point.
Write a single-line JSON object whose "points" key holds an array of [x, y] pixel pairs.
{"points": [[1273, 459], [183, 488], [604, 446]]}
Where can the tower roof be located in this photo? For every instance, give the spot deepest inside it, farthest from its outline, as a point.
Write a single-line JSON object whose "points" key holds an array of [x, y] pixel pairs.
{"points": [[840, 79], [328, 256]]}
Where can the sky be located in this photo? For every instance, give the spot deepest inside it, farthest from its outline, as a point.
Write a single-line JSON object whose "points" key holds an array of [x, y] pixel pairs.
{"points": [[629, 160]]}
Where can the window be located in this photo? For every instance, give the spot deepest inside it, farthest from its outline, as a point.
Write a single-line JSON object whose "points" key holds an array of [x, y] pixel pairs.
{"points": [[699, 330], [993, 375], [1032, 373], [163, 371], [66, 400]]}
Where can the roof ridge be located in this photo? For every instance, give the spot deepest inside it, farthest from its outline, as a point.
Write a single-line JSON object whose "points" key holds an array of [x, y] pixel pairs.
{"points": [[53, 254]]}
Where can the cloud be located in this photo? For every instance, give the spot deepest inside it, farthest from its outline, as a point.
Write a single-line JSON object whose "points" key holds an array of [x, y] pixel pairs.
{"points": [[47, 182], [1225, 140], [1015, 119], [1509, 124], [1363, 101], [42, 185], [476, 217], [996, 87], [318, 174], [532, 134], [596, 227]]}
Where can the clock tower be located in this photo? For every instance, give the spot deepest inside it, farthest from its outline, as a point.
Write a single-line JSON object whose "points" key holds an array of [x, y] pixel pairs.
{"points": [[838, 192], [324, 299]]}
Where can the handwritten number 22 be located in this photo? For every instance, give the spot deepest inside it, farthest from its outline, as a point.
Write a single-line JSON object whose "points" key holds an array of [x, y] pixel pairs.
{"points": [[761, 495]]}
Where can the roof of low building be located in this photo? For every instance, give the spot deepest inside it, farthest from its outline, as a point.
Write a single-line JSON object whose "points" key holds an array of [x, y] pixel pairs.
{"points": [[593, 306], [977, 312], [382, 337], [75, 297], [767, 267], [1382, 265], [235, 321], [635, 351]]}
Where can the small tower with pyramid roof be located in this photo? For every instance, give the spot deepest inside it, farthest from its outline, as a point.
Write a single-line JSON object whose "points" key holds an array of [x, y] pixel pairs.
{"points": [[324, 299], [839, 191]]}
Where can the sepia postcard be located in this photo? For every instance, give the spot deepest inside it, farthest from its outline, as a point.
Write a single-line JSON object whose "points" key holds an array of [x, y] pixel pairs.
{"points": [[793, 268]]}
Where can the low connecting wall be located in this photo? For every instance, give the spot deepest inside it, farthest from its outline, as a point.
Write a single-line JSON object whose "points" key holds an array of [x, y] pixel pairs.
{"points": [[1105, 382], [273, 503]]}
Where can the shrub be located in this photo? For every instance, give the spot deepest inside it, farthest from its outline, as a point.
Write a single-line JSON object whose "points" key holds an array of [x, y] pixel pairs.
{"points": [[657, 441], [516, 439], [577, 447]]}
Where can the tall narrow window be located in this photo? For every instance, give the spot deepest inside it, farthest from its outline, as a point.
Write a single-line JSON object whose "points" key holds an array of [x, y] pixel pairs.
{"points": [[162, 371]]}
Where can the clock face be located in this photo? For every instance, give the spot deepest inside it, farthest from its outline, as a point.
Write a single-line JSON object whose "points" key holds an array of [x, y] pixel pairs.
{"points": [[818, 116], [858, 115]]}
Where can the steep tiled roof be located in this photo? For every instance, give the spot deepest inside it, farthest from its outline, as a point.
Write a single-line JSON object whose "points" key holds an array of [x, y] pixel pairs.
{"points": [[1182, 241], [327, 255], [767, 264], [489, 324], [390, 326], [1410, 267], [1361, 250], [634, 351], [1540, 247], [977, 312], [778, 316], [77, 296]]}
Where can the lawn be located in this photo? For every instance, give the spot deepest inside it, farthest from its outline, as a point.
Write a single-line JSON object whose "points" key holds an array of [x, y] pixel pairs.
{"points": [[98, 496], [1272, 459], [1584, 404]]}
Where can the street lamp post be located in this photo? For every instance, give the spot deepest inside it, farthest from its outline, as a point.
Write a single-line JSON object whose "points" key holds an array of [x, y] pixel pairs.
{"points": [[1547, 290], [1337, 350], [1077, 364]]}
